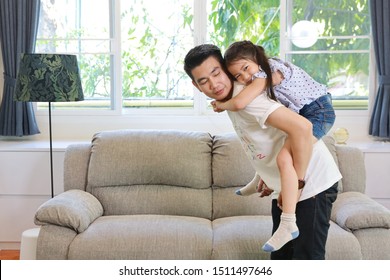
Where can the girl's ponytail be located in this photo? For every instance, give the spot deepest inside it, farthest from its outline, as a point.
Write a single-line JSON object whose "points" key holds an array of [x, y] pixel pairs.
{"points": [[262, 60]]}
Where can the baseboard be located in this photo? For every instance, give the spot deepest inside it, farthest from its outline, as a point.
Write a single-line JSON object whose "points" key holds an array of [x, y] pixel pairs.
{"points": [[9, 245]]}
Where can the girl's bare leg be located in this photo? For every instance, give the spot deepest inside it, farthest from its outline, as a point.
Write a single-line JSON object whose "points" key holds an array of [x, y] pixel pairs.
{"points": [[287, 229]]}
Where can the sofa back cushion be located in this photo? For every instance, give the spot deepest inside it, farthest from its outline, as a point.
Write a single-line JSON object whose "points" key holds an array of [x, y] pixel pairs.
{"points": [[330, 144], [151, 172], [232, 170]]}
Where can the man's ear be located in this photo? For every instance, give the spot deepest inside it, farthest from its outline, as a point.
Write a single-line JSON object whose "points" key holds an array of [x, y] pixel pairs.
{"points": [[196, 85]]}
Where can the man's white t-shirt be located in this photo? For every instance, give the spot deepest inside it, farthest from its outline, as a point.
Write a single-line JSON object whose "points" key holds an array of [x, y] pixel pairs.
{"points": [[262, 144]]}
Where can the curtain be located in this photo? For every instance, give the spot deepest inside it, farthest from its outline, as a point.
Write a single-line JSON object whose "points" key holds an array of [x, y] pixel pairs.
{"points": [[380, 21], [18, 30]]}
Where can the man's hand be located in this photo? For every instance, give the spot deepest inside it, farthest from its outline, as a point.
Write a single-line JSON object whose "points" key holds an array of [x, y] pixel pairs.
{"points": [[263, 189]]}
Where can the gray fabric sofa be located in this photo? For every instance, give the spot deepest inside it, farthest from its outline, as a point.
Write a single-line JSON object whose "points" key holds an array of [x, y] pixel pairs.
{"points": [[142, 194]]}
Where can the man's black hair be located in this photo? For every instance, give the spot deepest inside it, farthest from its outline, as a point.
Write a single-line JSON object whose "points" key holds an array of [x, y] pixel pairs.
{"points": [[197, 55]]}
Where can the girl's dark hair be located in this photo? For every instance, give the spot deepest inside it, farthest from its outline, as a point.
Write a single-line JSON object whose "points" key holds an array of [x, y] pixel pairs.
{"points": [[249, 51]]}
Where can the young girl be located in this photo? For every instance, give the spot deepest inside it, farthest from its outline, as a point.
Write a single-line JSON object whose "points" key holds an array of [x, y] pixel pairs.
{"points": [[294, 88]]}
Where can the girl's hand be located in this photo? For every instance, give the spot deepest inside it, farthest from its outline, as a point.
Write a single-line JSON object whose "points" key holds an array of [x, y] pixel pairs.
{"points": [[215, 103], [277, 78]]}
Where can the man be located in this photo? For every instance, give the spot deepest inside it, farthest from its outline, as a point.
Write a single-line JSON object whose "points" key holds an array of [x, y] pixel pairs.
{"points": [[262, 127]]}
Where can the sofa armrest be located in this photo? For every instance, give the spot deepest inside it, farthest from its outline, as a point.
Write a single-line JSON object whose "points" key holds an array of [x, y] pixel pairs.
{"points": [[74, 209], [354, 210]]}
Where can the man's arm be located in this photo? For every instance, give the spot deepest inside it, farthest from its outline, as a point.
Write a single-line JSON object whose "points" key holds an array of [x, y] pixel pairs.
{"points": [[244, 98]]}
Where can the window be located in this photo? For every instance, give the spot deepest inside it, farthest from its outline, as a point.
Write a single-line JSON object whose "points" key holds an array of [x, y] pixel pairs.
{"points": [[72, 27], [338, 54], [131, 52], [154, 41]]}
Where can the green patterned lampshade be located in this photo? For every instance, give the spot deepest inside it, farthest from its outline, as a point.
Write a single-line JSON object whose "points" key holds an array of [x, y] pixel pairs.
{"points": [[48, 78]]}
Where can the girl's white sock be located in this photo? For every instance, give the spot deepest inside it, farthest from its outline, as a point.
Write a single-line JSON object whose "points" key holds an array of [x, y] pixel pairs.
{"points": [[286, 231], [250, 188]]}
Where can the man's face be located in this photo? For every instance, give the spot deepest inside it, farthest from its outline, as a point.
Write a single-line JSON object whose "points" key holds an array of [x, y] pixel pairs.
{"points": [[211, 79]]}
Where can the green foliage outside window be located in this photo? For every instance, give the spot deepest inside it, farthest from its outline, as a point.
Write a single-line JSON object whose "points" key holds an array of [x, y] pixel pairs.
{"points": [[257, 21]]}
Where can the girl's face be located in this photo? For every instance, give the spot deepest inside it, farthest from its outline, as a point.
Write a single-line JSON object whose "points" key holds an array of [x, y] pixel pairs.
{"points": [[243, 70]]}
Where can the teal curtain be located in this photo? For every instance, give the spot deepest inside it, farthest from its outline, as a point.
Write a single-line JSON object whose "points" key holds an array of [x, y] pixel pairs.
{"points": [[18, 31], [380, 21]]}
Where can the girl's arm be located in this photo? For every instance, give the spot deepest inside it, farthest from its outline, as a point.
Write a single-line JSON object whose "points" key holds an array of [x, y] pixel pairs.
{"points": [[246, 96], [299, 131]]}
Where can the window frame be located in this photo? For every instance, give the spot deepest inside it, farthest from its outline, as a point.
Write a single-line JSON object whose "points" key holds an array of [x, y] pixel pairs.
{"points": [[200, 102]]}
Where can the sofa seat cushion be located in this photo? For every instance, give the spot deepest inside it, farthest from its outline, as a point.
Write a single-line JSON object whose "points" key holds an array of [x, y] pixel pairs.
{"points": [[373, 243], [143, 237], [342, 245], [241, 237]]}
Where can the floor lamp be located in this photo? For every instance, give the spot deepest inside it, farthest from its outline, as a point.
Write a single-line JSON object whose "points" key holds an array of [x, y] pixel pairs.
{"points": [[48, 78]]}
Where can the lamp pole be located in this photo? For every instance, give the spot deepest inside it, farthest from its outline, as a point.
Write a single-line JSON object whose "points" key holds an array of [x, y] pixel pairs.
{"points": [[51, 154]]}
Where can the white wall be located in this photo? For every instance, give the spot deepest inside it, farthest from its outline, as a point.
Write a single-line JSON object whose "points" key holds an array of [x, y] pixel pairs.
{"points": [[83, 127]]}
